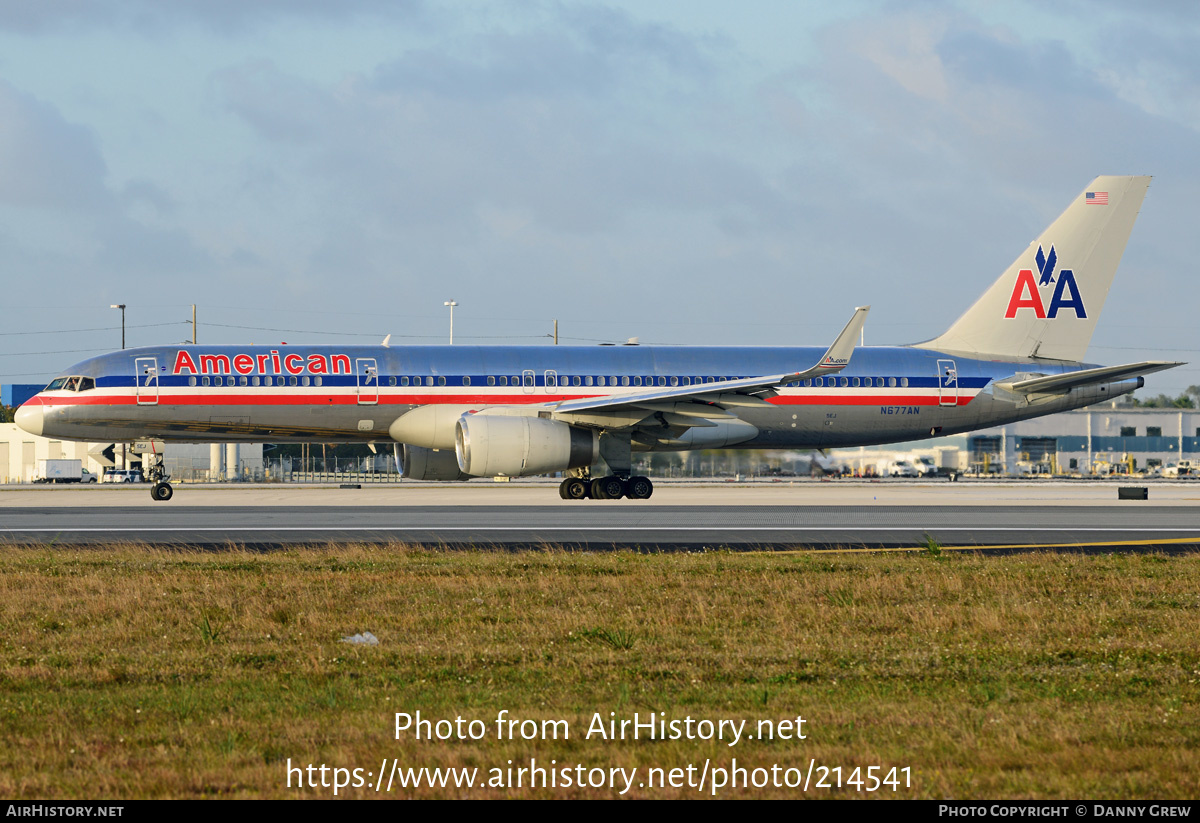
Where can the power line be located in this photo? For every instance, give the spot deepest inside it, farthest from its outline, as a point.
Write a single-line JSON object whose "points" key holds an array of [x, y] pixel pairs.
{"points": [[98, 328], [35, 353]]}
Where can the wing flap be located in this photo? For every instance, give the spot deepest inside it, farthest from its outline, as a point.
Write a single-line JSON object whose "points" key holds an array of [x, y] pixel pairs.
{"points": [[730, 392]]}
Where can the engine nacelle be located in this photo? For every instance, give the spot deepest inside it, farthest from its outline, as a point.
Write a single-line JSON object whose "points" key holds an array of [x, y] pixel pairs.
{"points": [[430, 427], [429, 464], [494, 445]]}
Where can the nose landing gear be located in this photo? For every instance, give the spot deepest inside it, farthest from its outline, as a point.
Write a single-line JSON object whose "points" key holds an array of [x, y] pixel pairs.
{"points": [[154, 471]]}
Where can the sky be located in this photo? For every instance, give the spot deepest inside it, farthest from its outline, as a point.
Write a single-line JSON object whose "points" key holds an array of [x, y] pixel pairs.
{"points": [[682, 171]]}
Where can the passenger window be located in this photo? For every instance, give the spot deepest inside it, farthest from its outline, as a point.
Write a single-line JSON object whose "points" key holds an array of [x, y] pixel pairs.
{"points": [[625, 381], [637, 381], [243, 381], [904, 382], [318, 381], [293, 381], [204, 381], [563, 380], [687, 381], [587, 381], [254, 381], [218, 381], [855, 383], [503, 381], [428, 381], [529, 380], [491, 380], [892, 382], [674, 381], [191, 381], [403, 381], [391, 381], [820, 381], [808, 383], [466, 381], [441, 381], [304, 381], [845, 382], [662, 381]]}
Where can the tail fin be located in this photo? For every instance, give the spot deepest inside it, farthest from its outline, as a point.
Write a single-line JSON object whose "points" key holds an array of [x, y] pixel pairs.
{"points": [[1046, 303]]}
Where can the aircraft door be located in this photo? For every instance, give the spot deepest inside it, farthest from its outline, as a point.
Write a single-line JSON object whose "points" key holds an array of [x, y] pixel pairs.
{"points": [[528, 384], [947, 383], [367, 377], [146, 378], [551, 381]]}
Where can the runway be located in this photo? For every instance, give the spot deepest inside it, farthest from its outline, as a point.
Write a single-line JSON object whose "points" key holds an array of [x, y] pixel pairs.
{"points": [[998, 517]]}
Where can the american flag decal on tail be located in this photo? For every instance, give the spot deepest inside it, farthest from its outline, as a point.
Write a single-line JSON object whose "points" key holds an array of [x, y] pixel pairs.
{"points": [[1096, 198]]}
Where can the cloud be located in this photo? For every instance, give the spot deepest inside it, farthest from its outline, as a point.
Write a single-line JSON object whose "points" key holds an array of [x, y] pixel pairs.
{"points": [[46, 162], [224, 16]]}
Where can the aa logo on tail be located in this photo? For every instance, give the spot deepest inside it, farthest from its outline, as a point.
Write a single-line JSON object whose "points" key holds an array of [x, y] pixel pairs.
{"points": [[1026, 294]]}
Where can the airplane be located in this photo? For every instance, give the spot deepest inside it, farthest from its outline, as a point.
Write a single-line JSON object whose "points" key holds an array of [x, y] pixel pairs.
{"points": [[458, 412]]}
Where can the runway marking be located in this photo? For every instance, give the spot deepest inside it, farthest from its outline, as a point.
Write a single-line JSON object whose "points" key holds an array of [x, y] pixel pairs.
{"points": [[990, 546], [731, 529]]}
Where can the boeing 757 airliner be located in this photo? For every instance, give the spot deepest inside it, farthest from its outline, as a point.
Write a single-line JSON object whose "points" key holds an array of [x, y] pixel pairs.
{"points": [[457, 412]]}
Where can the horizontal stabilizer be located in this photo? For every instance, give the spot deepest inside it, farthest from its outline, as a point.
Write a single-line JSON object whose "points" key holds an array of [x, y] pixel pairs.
{"points": [[1062, 383]]}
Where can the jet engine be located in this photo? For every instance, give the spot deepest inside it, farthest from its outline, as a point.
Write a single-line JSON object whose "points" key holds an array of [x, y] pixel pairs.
{"points": [[418, 463], [495, 445]]}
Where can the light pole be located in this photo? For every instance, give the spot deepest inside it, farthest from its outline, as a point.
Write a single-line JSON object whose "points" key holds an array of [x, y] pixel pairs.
{"points": [[451, 304], [121, 306]]}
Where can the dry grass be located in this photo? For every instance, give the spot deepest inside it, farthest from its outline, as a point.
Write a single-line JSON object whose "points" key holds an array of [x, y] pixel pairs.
{"points": [[135, 672]]}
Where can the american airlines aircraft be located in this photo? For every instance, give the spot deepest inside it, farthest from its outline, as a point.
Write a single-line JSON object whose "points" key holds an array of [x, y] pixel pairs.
{"points": [[457, 412]]}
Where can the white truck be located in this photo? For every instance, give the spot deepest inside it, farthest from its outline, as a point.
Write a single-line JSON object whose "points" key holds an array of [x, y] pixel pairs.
{"points": [[62, 471]]}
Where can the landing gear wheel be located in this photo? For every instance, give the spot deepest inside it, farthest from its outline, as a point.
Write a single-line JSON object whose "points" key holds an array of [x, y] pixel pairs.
{"points": [[573, 488], [639, 488], [608, 488], [562, 490], [161, 491]]}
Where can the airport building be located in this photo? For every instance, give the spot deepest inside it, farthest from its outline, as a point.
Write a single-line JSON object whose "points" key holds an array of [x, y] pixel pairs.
{"points": [[20, 453], [1116, 437], [1092, 441]]}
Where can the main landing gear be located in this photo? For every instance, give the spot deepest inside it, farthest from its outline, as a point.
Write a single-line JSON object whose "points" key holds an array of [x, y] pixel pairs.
{"points": [[606, 488]]}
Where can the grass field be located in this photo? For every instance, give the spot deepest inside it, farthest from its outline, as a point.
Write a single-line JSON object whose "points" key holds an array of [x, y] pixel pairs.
{"points": [[134, 672]]}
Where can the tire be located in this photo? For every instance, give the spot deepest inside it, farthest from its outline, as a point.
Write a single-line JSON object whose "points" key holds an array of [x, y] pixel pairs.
{"points": [[161, 491], [596, 489], [562, 489], [639, 488], [613, 488], [575, 489]]}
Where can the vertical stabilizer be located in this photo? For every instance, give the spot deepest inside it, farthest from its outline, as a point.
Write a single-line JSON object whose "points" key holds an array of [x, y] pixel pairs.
{"points": [[1047, 302]]}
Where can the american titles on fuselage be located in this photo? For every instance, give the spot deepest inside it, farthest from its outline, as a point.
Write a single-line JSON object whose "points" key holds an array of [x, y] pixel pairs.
{"points": [[269, 363]]}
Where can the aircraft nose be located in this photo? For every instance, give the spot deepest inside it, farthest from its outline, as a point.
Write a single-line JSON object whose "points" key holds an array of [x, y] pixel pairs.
{"points": [[29, 418]]}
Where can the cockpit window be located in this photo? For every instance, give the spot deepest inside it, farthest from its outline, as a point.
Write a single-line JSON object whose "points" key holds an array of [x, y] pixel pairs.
{"points": [[72, 384], [86, 384], [56, 384]]}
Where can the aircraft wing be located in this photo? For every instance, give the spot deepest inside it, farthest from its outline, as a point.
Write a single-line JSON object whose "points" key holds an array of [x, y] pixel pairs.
{"points": [[704, 396], [1062, 383]]}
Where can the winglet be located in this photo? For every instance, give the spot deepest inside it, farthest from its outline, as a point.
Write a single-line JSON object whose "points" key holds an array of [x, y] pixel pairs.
{"points": [[837, 357]]}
